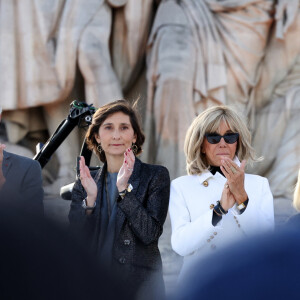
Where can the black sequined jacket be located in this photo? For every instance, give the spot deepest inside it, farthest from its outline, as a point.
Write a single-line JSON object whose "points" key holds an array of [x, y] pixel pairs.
{"points": [[139, 223]]}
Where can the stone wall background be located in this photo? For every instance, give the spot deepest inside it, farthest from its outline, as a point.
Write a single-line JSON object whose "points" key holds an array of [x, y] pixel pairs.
{"points": [[52, 52]]}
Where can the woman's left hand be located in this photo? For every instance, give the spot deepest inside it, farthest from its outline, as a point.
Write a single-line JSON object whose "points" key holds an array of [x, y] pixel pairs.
{"points": [[126, 170], [235, 178]]}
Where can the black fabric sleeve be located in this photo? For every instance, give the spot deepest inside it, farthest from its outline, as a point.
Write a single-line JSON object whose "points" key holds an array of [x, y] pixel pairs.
{"points": [[215, 219]]}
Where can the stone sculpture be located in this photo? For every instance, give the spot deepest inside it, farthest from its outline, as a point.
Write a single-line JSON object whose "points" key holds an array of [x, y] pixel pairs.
{"points": [[243, 53], [43, 43]]}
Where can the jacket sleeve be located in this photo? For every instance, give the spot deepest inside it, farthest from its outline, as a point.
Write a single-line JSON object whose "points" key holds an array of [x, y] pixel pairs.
{"points": [[32, 187], [30, 195], [189, 236], [147, 221]]}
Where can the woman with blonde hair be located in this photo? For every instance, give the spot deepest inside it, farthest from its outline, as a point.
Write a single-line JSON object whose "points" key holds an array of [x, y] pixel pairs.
{"points": [[217, 202]]}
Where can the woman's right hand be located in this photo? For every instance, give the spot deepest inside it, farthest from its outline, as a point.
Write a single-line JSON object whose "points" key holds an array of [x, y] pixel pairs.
{"points": [[88, 182], [227, 199]]}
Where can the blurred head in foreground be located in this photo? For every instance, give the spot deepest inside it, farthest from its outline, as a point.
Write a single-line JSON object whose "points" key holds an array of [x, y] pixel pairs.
{"points": [[40, 261], [265, 267]]}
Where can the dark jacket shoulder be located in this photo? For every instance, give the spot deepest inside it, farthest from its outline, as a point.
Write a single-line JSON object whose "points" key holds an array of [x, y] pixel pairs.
{"points": [[19, 159], [157, 170]]}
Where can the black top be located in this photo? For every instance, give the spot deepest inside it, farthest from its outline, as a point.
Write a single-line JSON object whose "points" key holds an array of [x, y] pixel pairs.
{"points": [[214, 170], [139, 223]]}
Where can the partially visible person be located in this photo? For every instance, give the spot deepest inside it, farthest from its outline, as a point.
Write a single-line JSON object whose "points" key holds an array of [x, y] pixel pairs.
{"points": [[263, 267], [121, 208], [296, 201], [217, 202], [21, 181], [40, 261], [295, 219]]}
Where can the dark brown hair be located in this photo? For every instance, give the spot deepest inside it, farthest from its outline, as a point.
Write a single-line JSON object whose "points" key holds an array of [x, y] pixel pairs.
{"points": [[101, 115]]}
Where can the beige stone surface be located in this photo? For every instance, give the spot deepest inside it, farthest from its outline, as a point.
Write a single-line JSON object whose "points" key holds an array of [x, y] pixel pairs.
{"points": [[241, 53], [42, 46]]}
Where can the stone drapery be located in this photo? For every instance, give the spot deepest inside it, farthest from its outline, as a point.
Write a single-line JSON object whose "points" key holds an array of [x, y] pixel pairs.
{"points": [[240, 53]]}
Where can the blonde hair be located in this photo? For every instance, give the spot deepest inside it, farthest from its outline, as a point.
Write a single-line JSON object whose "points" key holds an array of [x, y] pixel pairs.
{"points": [[208, 122], [296, 201]]}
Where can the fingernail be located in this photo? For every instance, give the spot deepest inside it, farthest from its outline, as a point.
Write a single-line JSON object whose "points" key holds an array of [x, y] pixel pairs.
{"points": [[125, 161], [125, 153], [129, 150]]}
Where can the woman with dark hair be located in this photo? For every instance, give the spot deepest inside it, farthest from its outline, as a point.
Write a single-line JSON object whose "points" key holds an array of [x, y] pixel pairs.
{"points": [[121, 208]]}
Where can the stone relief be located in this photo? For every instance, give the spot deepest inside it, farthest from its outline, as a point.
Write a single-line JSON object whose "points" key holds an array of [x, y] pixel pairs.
{"points": [[44, 43], [243, 53]]}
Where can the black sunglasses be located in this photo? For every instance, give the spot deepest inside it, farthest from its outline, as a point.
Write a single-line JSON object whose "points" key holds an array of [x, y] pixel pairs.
{"points": [[229, 138]]}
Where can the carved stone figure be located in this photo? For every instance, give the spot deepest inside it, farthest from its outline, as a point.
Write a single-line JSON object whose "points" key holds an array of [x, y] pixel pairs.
{"points": [[43, 43], [242, 53]]}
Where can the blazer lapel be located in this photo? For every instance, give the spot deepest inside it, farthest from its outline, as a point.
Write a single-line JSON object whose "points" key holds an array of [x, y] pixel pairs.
{"points": [[6, 164], [135, 177], [99, 178]]}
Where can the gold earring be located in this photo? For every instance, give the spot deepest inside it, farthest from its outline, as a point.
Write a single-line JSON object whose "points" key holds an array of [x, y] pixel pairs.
{"points": [[134, 148], [99, 148]]}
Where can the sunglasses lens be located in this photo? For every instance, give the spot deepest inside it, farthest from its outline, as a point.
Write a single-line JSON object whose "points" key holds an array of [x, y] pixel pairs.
{"points": [[213, 138], [231, 138]]}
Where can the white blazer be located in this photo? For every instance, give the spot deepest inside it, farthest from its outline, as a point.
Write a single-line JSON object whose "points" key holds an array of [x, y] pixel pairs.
{"points": [[193, 234]]}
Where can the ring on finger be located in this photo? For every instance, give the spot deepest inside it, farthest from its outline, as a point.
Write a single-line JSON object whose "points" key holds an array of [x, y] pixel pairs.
{"points": [[233, 169], [129, 169], [227, 186]]}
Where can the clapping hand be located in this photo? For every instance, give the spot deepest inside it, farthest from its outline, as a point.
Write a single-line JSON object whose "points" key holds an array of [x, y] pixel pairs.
{"points": [[88, 182], [235, 176], [126, 170], [227, 198]]}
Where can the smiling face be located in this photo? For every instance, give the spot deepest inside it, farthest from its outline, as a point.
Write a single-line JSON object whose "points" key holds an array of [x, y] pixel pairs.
{"points": [[216, 152], [116, 134]]}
